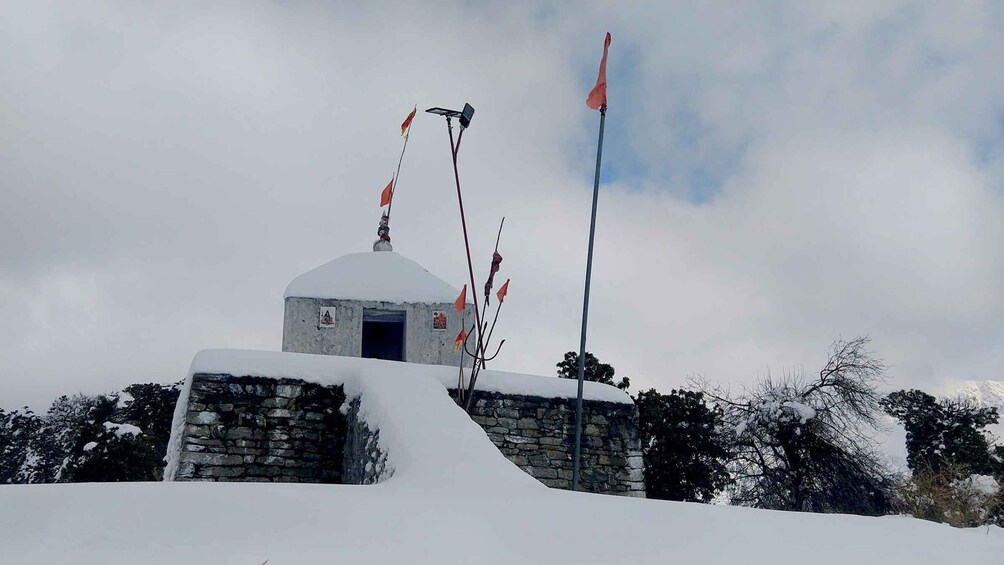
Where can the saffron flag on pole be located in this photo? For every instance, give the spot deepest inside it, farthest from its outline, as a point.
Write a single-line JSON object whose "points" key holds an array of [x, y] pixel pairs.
{"points": [[496, 263], [406, 125], [461, 300], [461, 338], [503, 290], [388, 191], [597, 99]]}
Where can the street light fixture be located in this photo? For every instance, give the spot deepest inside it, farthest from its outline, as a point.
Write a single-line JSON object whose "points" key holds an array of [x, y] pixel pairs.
{"points": [[464, 117]]}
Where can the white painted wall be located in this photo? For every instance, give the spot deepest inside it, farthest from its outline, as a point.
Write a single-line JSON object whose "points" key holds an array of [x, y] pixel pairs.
{"points": [[302, 334]]}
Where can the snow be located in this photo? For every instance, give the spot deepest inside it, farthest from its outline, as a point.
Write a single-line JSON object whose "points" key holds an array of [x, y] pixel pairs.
{"points": [[124, 399], [385, 275], [90, 445], [122, 429], [804, 411], [453, 498], [984, 484], [985, 393]]}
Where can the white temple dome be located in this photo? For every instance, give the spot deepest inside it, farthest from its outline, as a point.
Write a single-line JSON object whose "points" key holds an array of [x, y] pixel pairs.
{"points": [[384, 276]]}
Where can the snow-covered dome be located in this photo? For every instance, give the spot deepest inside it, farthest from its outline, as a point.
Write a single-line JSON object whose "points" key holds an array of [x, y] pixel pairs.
{"points": [[385, 276]]}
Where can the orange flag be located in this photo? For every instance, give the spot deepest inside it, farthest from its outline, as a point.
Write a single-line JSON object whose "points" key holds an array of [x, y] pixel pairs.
{"points": [[502, 291], [597, 99], [407, 122], [388, 191], [461, 300], [461, 337]]}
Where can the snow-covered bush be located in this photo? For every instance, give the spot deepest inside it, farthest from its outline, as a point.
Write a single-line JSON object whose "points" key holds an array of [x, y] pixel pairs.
{"points": [[805, 442], [952, 497]]}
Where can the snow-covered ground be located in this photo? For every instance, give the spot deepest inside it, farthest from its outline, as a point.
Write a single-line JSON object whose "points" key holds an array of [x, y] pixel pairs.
{"points": [[452, 499]]}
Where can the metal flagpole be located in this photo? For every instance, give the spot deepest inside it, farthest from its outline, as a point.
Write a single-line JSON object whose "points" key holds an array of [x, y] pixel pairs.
{"points": [[585, 307], [397, 174]]}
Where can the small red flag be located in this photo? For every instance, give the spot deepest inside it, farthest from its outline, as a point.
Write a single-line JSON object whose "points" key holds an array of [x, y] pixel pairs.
{"points": [[597, 99], [496, 262], [461, 300], [388, 191], [461, 337], [407, 122], [502, 291]]}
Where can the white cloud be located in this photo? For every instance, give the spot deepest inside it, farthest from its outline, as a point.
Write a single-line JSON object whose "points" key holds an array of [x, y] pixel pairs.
{"points": [[167, 170]]}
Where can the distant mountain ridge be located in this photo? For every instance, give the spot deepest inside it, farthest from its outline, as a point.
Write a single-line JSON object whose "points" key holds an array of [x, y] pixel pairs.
{"points": [[986, 393]]}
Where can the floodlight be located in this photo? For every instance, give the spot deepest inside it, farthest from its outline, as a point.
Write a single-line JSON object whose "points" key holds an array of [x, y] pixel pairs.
{"points": [[466, 116]]}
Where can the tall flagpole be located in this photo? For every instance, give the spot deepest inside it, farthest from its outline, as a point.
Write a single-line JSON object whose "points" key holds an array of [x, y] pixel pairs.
{"points": [[585, 307], [398, 173]]}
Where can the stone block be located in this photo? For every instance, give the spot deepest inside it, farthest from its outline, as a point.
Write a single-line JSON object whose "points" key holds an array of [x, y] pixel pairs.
{"points": [[288, 391], [214, 459], [275, 402], [527, 424], [204, 441], [226, 472], [507, 423], [544, 473]]}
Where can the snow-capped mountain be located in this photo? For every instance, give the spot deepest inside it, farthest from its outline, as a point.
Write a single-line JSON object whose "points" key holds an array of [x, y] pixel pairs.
{"points": [[986, 393]]}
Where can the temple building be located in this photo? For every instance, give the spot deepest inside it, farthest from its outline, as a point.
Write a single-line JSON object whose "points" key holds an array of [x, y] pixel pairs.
{"points": [[375, 304]]}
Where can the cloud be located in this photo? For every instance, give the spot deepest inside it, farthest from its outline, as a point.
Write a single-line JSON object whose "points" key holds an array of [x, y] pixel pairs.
{"points": [[776, 178]]}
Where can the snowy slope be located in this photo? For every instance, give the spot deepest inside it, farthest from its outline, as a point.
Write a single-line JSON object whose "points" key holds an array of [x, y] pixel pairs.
{"points": [[452, 499], [247, 524]]}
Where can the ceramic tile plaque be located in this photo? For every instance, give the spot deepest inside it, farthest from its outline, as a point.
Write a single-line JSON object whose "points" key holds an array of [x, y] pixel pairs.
{"points": [[326, 317]]}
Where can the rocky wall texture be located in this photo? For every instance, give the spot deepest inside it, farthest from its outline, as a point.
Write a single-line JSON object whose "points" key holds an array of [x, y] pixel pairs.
{"points": [[260, 429], [286, 430], [537, 434], [364, 462]]}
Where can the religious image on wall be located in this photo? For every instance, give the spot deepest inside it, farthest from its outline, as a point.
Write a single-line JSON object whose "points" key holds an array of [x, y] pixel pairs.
{"points": [[326, 317], [439, 320]]}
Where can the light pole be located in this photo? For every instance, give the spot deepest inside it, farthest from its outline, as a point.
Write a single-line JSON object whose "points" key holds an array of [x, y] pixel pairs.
{"points": [[464, 117]]}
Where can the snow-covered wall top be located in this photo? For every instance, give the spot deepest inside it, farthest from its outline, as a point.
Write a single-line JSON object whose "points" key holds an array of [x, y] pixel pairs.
{"points": [[333, 369], [383, 275], [360, 375]]}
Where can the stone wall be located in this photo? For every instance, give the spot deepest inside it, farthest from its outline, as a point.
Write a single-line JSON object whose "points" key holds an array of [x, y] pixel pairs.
{"points": [[286, 430], [364, 462], [537, 434], [260, 429]]}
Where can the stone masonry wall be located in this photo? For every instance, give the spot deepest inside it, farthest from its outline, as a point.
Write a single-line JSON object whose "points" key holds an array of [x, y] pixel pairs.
{"points": [[364, 462], [260, 429], [286, 430], [537, 434]]}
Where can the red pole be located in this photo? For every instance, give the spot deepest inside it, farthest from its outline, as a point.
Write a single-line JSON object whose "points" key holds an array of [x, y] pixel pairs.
{"points": [[467, 245]]}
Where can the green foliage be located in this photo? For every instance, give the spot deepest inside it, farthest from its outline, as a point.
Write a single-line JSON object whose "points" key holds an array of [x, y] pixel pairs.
{"points": [[683, 447], [18, 430], [594, 371], [80, 438], [942, 433]]}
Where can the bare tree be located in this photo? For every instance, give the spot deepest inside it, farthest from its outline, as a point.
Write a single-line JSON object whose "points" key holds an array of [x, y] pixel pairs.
{"points": [[804, 442]]}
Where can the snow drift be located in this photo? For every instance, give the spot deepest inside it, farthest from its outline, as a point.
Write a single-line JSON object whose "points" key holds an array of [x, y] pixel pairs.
{"points": [[452, 499]]}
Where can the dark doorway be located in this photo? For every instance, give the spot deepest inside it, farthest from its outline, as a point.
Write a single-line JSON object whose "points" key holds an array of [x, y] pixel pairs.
{"points": [[383, 334]]}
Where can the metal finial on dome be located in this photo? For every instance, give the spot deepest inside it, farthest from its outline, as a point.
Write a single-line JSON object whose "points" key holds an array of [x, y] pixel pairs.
{"points": [[383, 232]]}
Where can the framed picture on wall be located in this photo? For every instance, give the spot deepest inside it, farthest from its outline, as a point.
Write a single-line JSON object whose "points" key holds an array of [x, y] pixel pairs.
{"points": [[439, 320], [326, 317]]}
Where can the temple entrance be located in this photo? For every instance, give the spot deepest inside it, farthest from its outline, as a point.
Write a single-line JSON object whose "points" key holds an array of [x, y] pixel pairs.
{"points": [[383, 334]]}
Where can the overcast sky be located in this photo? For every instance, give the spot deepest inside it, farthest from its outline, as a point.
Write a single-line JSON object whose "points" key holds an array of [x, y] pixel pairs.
{"points": [[776, 176]]}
